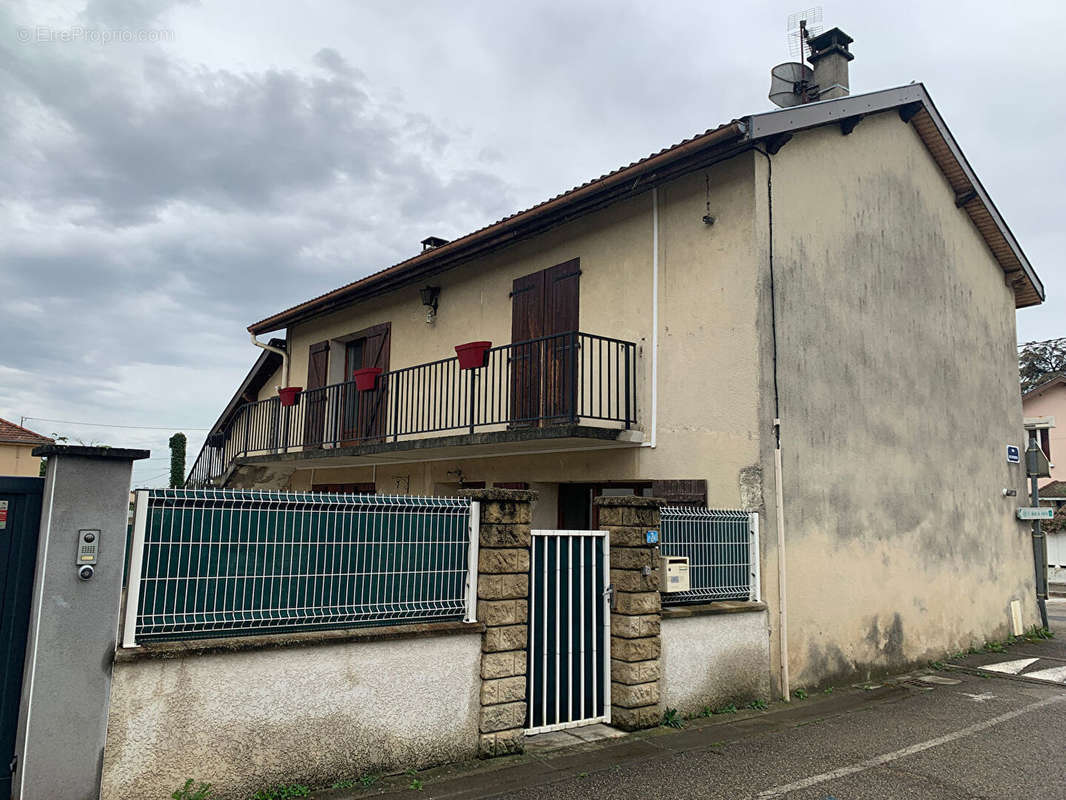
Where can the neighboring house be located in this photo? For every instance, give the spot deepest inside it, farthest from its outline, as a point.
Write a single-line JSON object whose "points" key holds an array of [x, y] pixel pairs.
{"points": [[836, 266], [16, 450], [1046, 403]]}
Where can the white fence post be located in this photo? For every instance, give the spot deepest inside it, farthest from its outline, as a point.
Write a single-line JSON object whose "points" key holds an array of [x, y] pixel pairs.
{"points": [[755, 588], [133, 580], [471, 565]]}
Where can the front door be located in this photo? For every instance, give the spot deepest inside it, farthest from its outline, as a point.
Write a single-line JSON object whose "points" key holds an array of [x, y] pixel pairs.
{"points": [[20, 519], [544, 315], [569, 651]]}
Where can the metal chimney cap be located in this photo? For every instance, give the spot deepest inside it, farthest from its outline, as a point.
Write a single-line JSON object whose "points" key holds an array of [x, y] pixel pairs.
{"points": [[833, 40], [433, 241]]}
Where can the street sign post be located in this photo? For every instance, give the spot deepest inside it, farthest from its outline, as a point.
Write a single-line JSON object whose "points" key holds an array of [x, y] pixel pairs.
{"points": [[1035, 513]]}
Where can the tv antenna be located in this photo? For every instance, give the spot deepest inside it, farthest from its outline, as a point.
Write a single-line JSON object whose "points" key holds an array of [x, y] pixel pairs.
{"points": [[801, 26], [792, 83]]}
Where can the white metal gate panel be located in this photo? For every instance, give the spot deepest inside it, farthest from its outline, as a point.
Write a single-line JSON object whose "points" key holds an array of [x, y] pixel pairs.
{"points": [[1056, 549], [569, 661]]}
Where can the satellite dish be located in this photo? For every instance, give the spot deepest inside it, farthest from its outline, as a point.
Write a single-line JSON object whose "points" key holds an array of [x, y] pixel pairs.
{"points": [[789, 84]]}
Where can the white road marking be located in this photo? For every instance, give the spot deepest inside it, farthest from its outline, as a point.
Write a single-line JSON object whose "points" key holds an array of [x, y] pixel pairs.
{"points": [[1056, 674], [878, 761], [1010, 667], [980, 698]]}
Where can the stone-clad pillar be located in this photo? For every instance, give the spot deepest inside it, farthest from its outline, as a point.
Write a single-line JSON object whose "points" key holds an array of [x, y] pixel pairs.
{"points": [[635, 636], [503, 605]]}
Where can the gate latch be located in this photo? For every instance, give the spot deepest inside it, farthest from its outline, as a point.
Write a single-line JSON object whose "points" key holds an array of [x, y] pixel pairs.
{"points": [[610, 596]]}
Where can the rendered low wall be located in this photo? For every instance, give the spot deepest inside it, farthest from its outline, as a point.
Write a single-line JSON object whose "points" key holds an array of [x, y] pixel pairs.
{"points": [[714, 659], [311, 714]]}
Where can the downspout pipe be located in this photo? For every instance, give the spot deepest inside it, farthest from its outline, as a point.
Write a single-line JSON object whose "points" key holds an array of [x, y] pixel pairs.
{"points": [[281, 352], [654, 317], [1039, 537], [779, 494]]}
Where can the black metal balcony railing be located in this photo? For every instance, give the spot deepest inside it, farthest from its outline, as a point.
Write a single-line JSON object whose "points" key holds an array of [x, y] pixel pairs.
{"points": [[553, 379]]}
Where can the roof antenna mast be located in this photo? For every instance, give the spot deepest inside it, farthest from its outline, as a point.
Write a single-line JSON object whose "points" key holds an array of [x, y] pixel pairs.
{"points": [[792, 83]]}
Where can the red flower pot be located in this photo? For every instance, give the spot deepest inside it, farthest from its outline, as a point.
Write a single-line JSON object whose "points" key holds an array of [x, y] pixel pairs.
{"points": [[473, 355], [366, 378], [289, 395]]}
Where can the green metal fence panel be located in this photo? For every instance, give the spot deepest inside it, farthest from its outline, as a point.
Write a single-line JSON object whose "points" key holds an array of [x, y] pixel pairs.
{"points": [[218, 562], [722, 549]]}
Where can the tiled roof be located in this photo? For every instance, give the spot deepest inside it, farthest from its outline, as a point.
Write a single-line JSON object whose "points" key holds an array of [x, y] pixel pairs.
{"points": [[16, 434], [1053, 489]]}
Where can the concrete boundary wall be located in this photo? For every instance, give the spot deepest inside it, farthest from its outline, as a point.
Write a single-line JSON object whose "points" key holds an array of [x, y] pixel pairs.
{"points": [[314, 714], [713, 659]]}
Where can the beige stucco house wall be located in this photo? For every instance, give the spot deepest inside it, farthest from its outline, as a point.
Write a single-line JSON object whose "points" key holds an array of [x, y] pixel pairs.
{"points": [[883, 338], [16, 450], [708, 368], [18, 460], [896, 368], [1049, 401]]}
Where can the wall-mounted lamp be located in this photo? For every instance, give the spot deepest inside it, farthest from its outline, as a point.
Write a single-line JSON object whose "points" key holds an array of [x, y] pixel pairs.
{"points": [[430, 295]]}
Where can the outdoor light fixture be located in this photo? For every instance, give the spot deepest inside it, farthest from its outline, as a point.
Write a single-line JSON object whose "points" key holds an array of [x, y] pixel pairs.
{"points": [[430, 295]]}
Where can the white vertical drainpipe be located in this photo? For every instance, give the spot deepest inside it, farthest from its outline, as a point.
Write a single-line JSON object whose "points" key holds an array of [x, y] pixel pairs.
{"points": [[654, 316], [284, 357], [782, 585]]}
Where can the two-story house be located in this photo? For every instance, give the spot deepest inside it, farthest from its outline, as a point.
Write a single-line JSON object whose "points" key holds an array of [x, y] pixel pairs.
{"points": [[809, 312]]}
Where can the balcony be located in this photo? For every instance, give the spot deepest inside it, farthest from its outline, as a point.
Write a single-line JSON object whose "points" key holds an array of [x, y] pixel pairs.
{"points": [[555, 389]]}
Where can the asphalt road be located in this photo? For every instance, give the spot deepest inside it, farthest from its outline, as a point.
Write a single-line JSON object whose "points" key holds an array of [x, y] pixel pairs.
{"points": [[986, 736]]}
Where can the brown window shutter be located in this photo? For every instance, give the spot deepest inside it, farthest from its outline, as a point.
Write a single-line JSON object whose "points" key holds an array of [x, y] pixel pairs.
{"points": [[527, 307], [561, 296], [378, 344], [315, 402], [681, 492], [317, 365], [1045, 442]]}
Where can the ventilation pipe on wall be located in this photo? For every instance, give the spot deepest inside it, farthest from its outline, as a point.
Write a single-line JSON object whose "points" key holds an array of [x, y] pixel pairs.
{"points": [[281, 352]]}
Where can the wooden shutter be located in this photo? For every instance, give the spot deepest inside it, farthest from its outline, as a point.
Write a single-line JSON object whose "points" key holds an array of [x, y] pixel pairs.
{"points": [[681, 492], [527, 307], [377, 343], [561, 353], [317, 366], [527, 322], [561, 297], [314, 402]]}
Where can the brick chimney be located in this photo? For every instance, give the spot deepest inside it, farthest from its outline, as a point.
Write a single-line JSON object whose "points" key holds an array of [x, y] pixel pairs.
{"points": [[830, 57]]}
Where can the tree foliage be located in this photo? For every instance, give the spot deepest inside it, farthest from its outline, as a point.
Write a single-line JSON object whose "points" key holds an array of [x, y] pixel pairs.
{"points": [[1038, 361], [177, 460]]}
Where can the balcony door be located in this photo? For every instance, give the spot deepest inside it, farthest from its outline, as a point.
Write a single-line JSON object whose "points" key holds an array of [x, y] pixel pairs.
{"points": [[544, 371]]}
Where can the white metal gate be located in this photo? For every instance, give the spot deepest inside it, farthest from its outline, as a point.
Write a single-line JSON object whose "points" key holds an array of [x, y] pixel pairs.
{"points": [[569, 661]]}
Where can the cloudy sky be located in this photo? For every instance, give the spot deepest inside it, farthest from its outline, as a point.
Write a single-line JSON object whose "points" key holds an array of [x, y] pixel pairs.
{"points": [[172, 171]]}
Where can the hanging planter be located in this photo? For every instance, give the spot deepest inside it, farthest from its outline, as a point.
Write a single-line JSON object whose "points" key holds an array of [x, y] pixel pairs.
{"points": [[289, 395], [473, 355], [366, 378]]}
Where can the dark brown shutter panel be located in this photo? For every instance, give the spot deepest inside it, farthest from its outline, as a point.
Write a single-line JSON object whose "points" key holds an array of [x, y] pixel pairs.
{"points": [[378, 344], [561, 297], [317, 366], [681, 492], [527, 307], [314, 403]]}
